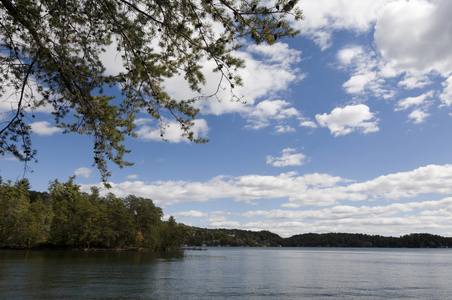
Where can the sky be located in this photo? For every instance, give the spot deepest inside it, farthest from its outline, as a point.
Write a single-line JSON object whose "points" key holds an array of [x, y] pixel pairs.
{"points": [[345, 128]]}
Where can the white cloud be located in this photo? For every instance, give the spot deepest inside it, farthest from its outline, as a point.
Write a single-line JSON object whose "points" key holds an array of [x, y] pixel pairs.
{"points": [[132, 176], [424, 180], [414, 101], [413, 81], [345, 204], [420, 103], [44, 128], [284, 129], [368, 73], [349, 54], [224, 224], [411, 43], [112, 59], [247, 188], [172, 131], [142, 121], [413, 35], [321, 18], [357, 83], [288, 158], [268, 71], [189, 214], [418, 116], [446, 95], [10, 96], [342, 121], [269, 111], [85, 172], [347, 211], [278, 53], [308, 123]]}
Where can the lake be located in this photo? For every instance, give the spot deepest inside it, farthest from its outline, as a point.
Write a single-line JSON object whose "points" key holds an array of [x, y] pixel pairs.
{"points": [[228, 273]]}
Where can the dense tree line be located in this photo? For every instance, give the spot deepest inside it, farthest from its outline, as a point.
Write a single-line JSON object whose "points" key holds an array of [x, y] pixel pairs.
{"points": [[66, 217], [231, 237], [228, 237]]}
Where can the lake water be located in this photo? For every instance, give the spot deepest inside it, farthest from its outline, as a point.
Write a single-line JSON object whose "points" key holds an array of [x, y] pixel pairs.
{"points": [[229, 273]]}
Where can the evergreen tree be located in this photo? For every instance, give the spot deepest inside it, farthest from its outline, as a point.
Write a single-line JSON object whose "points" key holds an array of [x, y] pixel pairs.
{"points": [[51, 56]]}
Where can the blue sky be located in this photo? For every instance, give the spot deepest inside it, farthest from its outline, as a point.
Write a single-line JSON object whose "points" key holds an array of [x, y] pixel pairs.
{"points": [[346, 128]]}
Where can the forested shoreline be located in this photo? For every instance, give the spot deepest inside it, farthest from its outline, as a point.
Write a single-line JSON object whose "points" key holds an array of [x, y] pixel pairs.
{"points": [[67, 218], [242, 238]]}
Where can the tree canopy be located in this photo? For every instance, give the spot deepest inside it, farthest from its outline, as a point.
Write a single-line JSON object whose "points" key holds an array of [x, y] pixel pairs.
{"points": [[50, 56], [66, 217]]}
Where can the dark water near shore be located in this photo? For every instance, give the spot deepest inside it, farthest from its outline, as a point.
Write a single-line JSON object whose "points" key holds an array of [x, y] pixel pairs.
{"points": [[229, 273]]}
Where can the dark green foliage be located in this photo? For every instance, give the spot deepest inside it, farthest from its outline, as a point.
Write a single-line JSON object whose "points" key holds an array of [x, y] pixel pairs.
{"points": [[235, 237], [51, 56], [363, 240], [69, 218], [231, 237]]}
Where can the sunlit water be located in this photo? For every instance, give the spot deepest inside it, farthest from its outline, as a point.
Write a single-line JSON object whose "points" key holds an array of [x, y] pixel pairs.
{"points": [[228, 273]]}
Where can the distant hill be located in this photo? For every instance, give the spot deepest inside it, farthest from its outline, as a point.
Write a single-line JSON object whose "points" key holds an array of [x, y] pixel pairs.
{"points": [[235, 237]]}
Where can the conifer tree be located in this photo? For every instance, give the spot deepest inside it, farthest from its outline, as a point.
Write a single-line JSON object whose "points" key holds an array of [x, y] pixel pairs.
{"points": [[50, 55]]}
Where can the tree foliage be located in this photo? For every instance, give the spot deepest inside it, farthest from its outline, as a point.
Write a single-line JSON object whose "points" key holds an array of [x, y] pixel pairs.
{"points": [[236, 237], [51, 56], [66, 217]]}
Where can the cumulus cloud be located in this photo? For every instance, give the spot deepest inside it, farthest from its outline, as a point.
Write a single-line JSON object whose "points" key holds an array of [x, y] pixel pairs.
{"points": [[172, 132], [418, 116], [85, 172], [342, 121], [409, 50], [268, 71], [321, 18], [419, 104], [189, 214], [357, 83], [284, 129], [414, 81], [349, 211], [349, 54], [247, 188], [269, 111], [307, 123], [112, 60], [414, 101], [368, 72], [300, 190], [288, 158], [424, 180], [44, 128], [411, 35], [446, 95]]}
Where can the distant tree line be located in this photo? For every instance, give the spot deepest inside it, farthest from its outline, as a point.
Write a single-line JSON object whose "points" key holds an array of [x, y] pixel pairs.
{"points": [[66, 217], [231, 237], [414, 240], [228, 237]]}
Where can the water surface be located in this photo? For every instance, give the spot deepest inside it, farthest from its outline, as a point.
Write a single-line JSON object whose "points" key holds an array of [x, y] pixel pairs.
{"points": [[229, 273]]}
